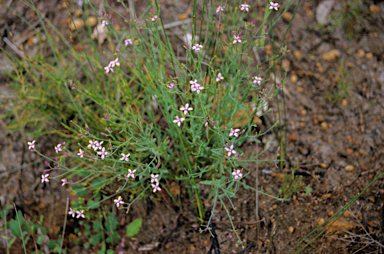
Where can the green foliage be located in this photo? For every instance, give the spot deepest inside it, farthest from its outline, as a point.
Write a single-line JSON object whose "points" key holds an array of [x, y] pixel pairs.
{"points": [[134, 227], [290, 185], [133, 109]]}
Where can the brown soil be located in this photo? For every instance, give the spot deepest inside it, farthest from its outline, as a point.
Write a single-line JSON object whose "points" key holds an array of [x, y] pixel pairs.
{"points": [[325, 140]]}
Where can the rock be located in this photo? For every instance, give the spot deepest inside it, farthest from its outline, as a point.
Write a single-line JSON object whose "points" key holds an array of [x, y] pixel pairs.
{"points": [[323, 165], [287, 16], [268, 49], [292, 137], [331, 213], [349, 151], [331, 55], [294, 78], [320, 221], [340, 225], [91, 21], [372, 199], [360, 53], [299, 89], [183, 16], [192, 247], [298, 55], [76, 24], [319, 67], [324, 125], [344, 103], [369, 56], [99, 32], [285, 64], [323, 11], [349, 168], [291, 229], [374, 9], [78, 12]]}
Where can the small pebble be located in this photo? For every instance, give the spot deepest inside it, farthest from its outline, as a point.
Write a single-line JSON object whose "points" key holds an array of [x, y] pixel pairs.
{"points": [[372, 199], [292, 137], [76, 24], [78, 12], [374, 9], [323, 165], [183, 16], [349, 151], [299, 89], [294, 78], [369, 56], [285, 64], [298, 55], [91, 21], [320, 221], [302, 124], [287, 16], [344, 103], [331, 213], [324, 125], [349, 168], [331, 55], [192, 248], [291, 229], [360, 53]]}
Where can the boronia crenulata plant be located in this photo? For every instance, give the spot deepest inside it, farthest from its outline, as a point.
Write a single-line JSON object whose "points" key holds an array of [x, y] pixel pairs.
{"points": [[149, 109]]}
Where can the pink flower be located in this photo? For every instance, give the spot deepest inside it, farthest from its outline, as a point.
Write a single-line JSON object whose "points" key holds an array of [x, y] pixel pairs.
{"points": [[234, 132], [154, 18], [178, 120], [219, 77], [44, 178], [244, 7], [91, 143], [171, 85], [186, 109], [236, 39], [125, 157], [199, 88], [154, 178], [80, 214], [72, 212], [97, 145], [131, 173], [237, 174], [274, 6], [108, 69], [156, 187], [64, 181], [102, 153], [114, 63], [194, 85], [257, 80], [58, 148], [31, 145], [81, 153], [118, 201], [197, 47], [128, 42], [230, 150], [206, 124], [104, 23], [219, 9]]}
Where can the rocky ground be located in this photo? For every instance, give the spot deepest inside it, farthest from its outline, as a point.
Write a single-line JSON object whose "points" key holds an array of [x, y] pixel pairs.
{"points": [[335, 139]]}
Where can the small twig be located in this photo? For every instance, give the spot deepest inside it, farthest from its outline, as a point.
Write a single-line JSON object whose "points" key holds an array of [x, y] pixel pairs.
{"points": [[243, 251], [30, 230], [240, 223]]}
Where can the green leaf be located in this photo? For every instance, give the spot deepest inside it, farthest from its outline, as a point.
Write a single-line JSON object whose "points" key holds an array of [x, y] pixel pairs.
{"points": [[111, 223], [40, 239], [97, 225], [134, 227], [110, 251], [51, 244], [113, 237], [15, 228], [80, 191], [11, 242], [92, 204], [95, 239]]}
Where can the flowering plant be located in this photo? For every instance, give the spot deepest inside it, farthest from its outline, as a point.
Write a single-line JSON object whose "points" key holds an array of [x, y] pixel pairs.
{"points": [[159, 119]]}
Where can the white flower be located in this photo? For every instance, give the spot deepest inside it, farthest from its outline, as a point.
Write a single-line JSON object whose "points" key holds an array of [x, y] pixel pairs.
{"points": [[186, 109], [154, 18], [230, 150], [197, 47], [125, 157], [257, 80], [128, 42], [219, 77], [80, 153], [178, 120], [244, 7], [118, 201], [31, 145], [219, 9], [58, 148], [274, 6], [236, 39], [234, 132], [237, 174]]}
